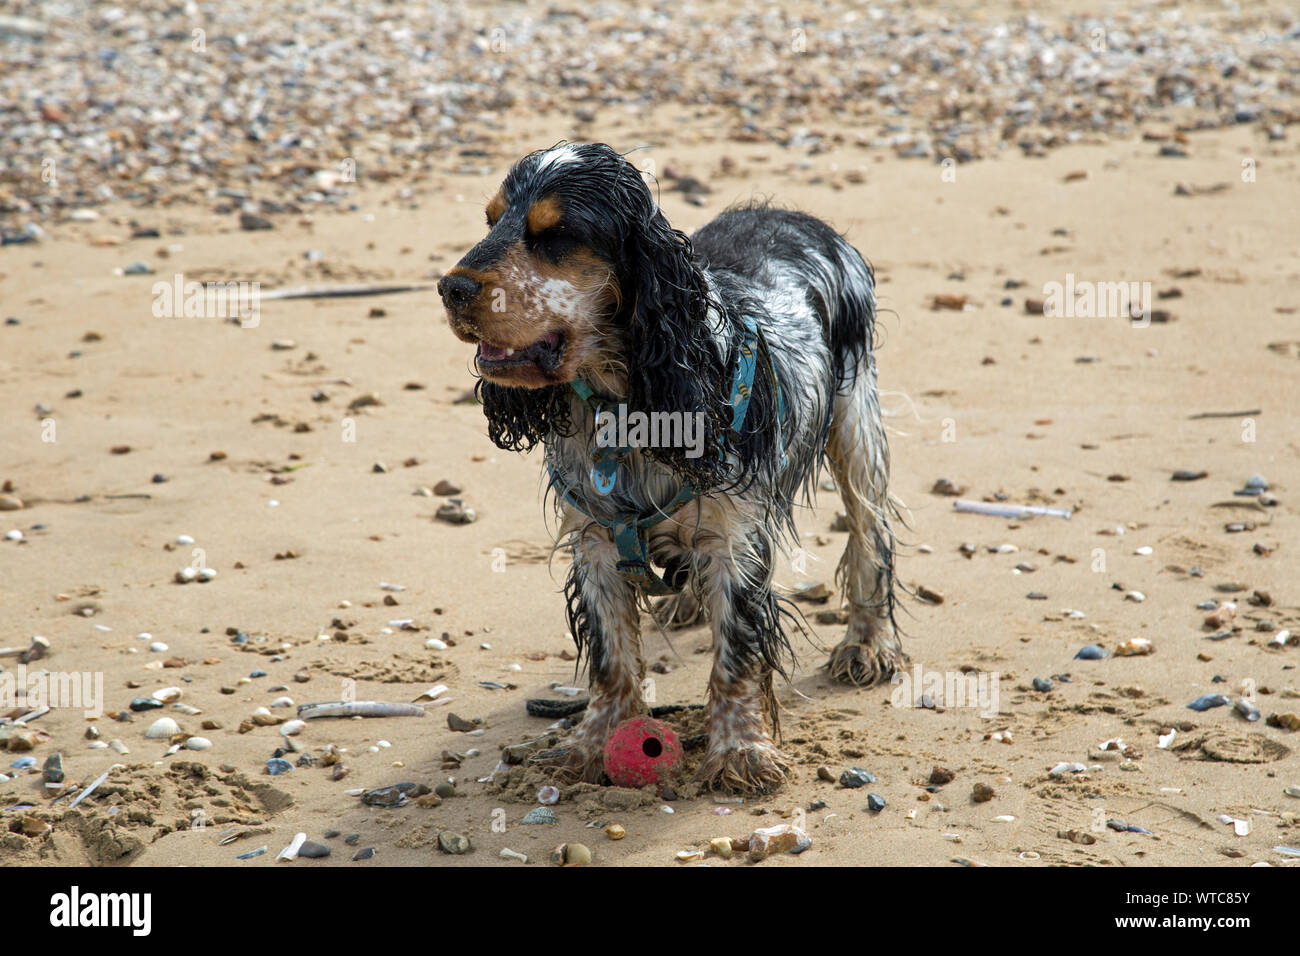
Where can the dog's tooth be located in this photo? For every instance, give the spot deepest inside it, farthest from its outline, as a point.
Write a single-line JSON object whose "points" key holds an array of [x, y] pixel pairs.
{"points": [[509, 352]]}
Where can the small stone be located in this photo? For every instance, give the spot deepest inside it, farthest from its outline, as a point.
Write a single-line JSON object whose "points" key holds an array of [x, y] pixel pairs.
{"points": [[53, 769], [875, 802], [571, 854], [452, 842], [982, 793], [1042, 683], [856, 777], [615, 831], [276, 766], [365, 854], [783, 838], [314, 851]]}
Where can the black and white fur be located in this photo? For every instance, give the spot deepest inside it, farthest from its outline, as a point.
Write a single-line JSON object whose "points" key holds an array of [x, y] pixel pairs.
{"points": [[660, 330]]}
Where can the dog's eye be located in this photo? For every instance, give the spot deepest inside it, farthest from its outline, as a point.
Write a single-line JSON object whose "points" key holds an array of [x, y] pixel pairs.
{"points": [[553, 243]]}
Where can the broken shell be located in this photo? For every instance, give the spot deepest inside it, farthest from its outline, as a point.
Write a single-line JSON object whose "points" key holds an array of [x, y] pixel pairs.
{"points": [[615, 831], [167, 694], [690, 856], [291, 727], [548, 795]]}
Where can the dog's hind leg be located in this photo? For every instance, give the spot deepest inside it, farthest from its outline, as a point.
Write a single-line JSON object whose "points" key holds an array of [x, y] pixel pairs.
{"points": [[859, 459], [605, 622]]}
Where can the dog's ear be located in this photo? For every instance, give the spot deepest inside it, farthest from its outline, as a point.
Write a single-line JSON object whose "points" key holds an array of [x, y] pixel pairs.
{"points": [[675, 363], [520, 418]]}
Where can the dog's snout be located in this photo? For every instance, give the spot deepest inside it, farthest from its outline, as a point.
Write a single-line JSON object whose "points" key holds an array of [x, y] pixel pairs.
{"points": [[458, 291]]}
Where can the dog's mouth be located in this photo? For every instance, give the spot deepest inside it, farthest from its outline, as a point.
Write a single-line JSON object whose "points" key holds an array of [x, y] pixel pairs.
{"points": [[544, 355]]}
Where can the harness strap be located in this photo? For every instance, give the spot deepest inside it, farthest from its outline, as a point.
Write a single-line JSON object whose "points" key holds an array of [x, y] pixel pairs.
{"points": [[631, 530]]}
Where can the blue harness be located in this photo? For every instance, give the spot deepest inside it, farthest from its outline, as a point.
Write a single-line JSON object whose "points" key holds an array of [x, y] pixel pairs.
{"points": [[632, 530]]}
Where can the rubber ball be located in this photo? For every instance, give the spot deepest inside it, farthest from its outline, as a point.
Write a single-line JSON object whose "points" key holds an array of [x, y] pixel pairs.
{"points": [[641, 751]]}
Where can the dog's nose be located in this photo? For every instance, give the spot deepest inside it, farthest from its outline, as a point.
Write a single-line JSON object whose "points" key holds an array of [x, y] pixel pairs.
{"points": [[458, 291]]}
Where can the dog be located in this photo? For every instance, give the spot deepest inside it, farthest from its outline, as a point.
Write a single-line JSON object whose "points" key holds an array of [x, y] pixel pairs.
{"points": [[756, 333]]}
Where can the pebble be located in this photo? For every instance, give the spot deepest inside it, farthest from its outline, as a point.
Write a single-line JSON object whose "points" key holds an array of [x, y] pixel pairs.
{"points": [[1043, 684], [313, 851], [1090, 652], [276, 766], [571, 854], [53, 769], [1209, 701], [615, 831], [875, 802], [856, 777], [451, 842], [364, 854]]}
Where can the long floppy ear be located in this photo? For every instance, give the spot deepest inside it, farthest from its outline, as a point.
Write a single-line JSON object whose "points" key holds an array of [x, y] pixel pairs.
{"points": [[520, 418], [675, 363]]}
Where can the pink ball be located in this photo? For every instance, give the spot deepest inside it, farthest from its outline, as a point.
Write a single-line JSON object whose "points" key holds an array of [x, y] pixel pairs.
{"points": [[641, 751]]}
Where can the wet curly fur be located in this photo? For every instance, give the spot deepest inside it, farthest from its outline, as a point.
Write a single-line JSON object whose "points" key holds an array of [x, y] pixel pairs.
{"points": [[581, 275]]}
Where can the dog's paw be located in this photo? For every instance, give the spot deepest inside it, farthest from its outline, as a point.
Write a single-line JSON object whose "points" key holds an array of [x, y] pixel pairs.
{"points": [[570, 763], [750, 769], [863, 665]]}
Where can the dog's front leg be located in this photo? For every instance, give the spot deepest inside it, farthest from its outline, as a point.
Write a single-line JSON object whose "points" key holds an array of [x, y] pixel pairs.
{"points": [[747, 640], [606, 626]]}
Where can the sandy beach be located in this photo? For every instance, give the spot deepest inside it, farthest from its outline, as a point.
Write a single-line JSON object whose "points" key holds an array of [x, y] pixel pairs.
{"points": [[297, 456]]}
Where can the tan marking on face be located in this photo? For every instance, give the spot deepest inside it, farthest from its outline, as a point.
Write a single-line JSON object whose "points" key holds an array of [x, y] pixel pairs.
{"points": [[525, 298], [496, 207], [545, 214]]}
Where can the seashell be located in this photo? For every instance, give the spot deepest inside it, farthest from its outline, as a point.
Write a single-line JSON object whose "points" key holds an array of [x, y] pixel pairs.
{"points": [[198, 743], [1064, 767], [282, 702], [615, 831], [291, 727], [1208, 701], [539, 816], [548, 795], [1246, 709], [167, 694], [291, 851], [1090, 652], [185, 575], [162, 728], [509, 854], [690, 856]]}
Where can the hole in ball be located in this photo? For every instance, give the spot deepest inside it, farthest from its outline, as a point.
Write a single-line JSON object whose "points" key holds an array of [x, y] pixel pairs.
{"points": [[652, 747]]}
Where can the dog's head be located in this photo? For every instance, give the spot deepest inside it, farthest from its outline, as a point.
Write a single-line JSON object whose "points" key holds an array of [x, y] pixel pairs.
{"points": [[580, 275]]}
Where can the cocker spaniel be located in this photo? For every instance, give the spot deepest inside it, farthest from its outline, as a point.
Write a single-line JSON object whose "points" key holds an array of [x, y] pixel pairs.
{"points": [[687, 392]]}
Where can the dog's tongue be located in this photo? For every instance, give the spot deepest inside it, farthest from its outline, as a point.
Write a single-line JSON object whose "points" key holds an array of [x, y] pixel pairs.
{"points": [[491, 352]]}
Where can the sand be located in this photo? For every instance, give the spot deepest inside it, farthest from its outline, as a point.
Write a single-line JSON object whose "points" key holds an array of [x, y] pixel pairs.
{"points": [[1087, 413]]}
